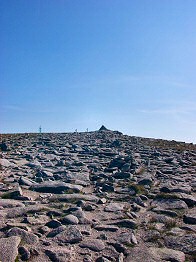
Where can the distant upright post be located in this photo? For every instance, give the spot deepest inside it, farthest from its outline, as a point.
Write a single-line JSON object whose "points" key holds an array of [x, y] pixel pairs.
{"points": [[87, 130], [40, 129]]}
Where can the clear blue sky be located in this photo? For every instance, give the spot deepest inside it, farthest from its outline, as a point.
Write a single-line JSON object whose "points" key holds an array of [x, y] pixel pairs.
{"points": [[127, 64]]}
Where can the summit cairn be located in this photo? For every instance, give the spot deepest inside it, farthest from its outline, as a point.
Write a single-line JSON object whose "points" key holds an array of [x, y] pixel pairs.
{"points": [[103, 128]]}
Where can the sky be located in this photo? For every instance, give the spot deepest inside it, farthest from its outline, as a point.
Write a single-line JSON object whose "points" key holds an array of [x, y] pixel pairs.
{"points": [[130, 65]]}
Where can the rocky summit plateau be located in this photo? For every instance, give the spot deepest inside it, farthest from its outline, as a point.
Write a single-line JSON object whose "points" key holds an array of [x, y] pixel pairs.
{"points": [[96, 196]]}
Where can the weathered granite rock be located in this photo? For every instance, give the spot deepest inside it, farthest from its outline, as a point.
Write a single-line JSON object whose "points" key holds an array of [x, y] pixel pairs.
{"points": [[127, 223], [70, 219], [122, 175], [186, 243], [26, 181], [56, 187], [5, 163], [56, 231], [8, 203], [166, 254], [59, 254], [25, 236], [9, 248], [155, 255], [93, 244], [106, 228], [53, 223], [176, 189], [170, 204], [114, 207], [24, 253], [73, 198], [15, 193], [3, 146], [70, 235], [127, 238], [190, 218], [188, 199]]}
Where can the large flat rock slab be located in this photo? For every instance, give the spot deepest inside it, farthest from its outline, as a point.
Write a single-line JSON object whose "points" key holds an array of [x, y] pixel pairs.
{"points": [[9, 203], [169, 204], [9, 248], [140, 254], [186, 243], [56, 187], [74, 197]]}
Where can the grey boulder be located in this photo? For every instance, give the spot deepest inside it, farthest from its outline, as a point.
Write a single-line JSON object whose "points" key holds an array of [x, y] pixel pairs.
{"points": [[56, 187]]}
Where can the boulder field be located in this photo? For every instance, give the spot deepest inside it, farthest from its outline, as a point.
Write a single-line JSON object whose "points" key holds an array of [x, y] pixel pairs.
{"points": [[96, 197]]}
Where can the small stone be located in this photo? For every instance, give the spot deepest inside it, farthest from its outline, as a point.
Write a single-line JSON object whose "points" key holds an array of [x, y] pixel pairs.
{"points": [[120, 248], [143, 197], [87, 258], [135, 207], [106, 228], [120, 258], [80, 214], [102, 201], [133, 239], [53, 223], [89, 207], [34, 252], [103, 237], [190, 219], [59, 254], [3, 147], [43, 229], [102, 259], [145, 181], [24, 253], [25, 181], [140, 202], [127, 223], [122, 175], [107, 188], [13, 194]]}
